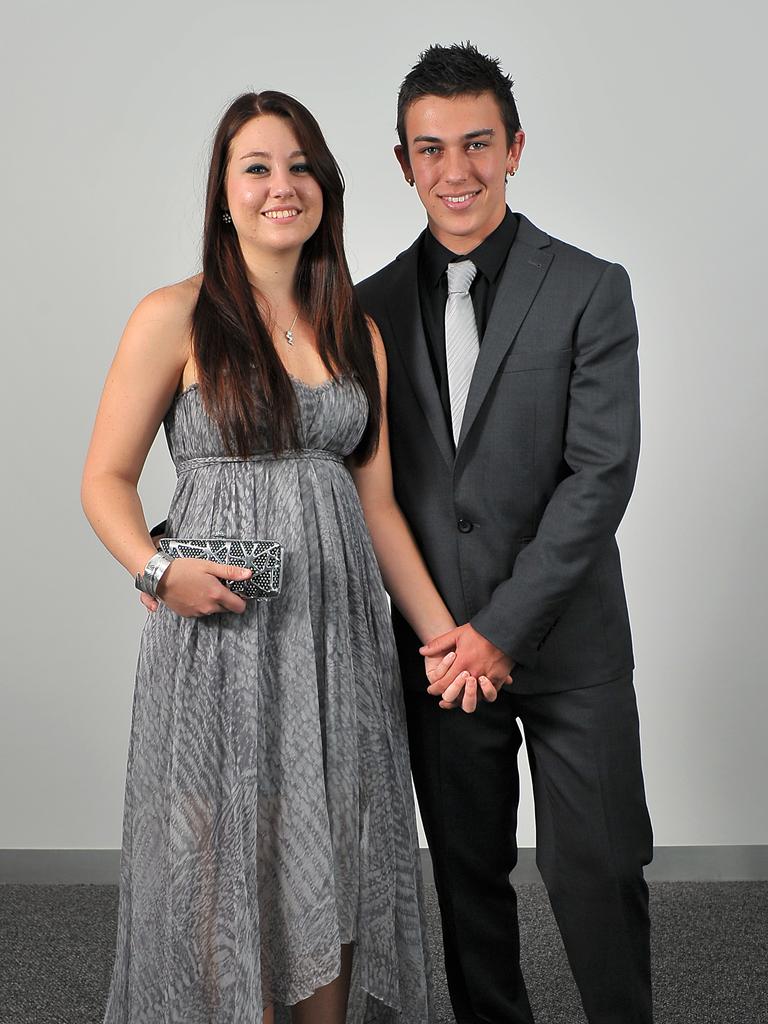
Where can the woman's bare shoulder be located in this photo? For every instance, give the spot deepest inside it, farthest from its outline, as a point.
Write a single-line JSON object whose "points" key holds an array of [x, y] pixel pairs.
{"points": [[172, 305]]}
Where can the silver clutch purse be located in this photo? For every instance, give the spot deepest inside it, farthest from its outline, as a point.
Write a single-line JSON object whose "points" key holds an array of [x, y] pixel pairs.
{"points": [[265, 557]]}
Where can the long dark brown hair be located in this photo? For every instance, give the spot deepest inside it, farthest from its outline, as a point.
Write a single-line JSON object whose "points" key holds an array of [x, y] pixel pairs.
{"points": [[243, 382]]}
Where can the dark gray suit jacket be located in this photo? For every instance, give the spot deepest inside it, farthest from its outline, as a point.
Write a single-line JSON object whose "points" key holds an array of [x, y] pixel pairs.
{"points": [[518, 527]]}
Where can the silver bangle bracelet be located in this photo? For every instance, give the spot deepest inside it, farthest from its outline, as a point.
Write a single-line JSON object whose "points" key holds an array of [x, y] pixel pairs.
{"points": [[148, 580]]}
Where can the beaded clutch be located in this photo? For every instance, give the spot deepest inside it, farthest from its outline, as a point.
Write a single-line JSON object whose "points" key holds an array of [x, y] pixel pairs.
{"points": [[265, 557]]}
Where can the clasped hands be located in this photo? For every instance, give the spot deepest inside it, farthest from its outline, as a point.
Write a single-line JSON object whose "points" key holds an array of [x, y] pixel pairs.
{"points": [[460, 662]]}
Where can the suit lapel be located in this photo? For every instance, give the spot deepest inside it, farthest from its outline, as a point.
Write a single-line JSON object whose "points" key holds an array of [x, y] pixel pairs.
{"points": [[525, 269], [404, 311]]}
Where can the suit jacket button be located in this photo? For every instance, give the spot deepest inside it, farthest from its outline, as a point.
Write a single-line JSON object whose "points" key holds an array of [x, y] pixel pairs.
{"points": [[465, 526]]}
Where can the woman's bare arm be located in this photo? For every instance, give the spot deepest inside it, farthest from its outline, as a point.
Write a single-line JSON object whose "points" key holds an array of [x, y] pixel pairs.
{"points": [[403, 570], [140, 384]]}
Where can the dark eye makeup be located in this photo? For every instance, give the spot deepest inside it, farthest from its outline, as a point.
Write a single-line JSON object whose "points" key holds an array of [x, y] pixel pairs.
{"points": [[263, 169]]}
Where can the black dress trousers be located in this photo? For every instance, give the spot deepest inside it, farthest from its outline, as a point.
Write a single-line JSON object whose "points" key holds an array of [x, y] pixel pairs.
{"points": [[593, 839]]}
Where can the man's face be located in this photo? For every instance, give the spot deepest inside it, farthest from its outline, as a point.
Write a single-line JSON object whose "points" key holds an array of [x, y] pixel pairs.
{"points": [[458, 157]]}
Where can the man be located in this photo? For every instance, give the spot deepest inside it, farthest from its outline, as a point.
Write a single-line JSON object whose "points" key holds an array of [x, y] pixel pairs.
{"points": [[514, 425]]}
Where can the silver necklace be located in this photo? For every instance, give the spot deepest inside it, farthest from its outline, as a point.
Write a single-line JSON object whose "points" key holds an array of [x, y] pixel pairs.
{"points": [[289, 333]]}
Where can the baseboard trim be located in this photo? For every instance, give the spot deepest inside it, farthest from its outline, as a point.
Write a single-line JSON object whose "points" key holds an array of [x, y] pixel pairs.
{"points": [[670, 864], [59, 867]]}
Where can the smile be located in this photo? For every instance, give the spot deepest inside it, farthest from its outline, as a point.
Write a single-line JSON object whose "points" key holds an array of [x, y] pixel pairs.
{"points": [[281, 214], [461, 200]]}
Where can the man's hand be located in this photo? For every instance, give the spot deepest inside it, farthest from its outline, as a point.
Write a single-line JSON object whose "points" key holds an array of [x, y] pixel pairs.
{"points": [[476, 660]]}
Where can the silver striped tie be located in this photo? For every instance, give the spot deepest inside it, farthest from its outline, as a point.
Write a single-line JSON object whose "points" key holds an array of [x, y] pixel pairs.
{"points": [[461, 342]]}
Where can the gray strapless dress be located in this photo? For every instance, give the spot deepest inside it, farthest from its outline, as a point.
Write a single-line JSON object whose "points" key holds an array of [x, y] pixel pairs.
{"points": [[269, 813]]}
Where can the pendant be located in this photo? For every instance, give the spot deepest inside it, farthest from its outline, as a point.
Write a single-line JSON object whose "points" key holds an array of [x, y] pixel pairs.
{"points": [[289, 337]]}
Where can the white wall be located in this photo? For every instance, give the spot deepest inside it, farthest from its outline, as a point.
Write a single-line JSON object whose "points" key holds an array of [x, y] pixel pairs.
{"points": [[646, 144]]}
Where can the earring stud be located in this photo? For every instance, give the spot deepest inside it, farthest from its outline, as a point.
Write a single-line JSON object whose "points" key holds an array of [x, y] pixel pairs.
{"points": [[226, 217]]}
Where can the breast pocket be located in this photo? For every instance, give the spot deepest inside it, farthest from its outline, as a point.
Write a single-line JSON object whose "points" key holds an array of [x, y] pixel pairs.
{"points": [[540, 359]]}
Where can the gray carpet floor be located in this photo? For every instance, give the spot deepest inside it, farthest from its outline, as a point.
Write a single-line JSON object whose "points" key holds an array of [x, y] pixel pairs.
{"points": [[710, 954]]}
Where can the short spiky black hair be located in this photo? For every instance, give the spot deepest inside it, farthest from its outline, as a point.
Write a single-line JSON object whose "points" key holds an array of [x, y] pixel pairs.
{"points": [[457, 70]]}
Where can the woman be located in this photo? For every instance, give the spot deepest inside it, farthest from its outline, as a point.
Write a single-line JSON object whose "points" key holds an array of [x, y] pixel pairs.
{"points": [[270, 855]]}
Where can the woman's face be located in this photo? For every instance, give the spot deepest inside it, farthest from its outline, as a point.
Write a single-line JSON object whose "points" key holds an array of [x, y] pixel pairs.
{"points": [[274, 201]]}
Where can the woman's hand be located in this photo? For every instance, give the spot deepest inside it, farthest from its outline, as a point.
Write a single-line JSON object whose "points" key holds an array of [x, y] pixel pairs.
{"points": [[437, 666], [150, 603], [192, 587]]}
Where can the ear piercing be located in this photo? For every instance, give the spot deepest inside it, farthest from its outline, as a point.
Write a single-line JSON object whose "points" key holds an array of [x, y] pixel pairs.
{"points": [[226, 217]]}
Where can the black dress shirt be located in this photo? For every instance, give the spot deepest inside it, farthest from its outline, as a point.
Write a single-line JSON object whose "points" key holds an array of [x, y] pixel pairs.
{"points": [[489, 257]]}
